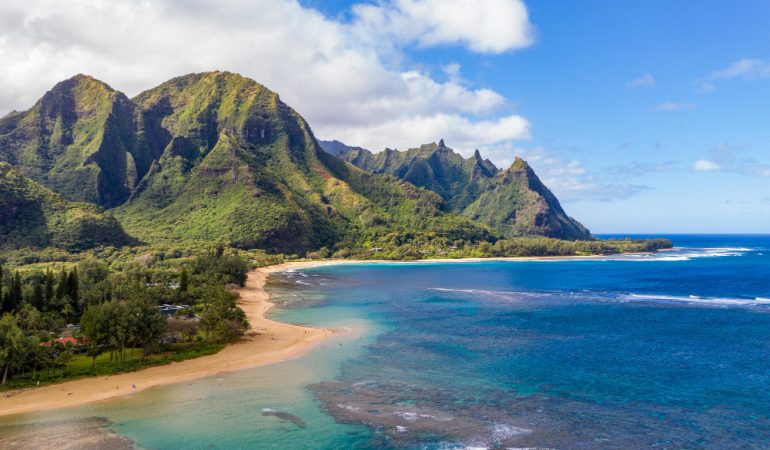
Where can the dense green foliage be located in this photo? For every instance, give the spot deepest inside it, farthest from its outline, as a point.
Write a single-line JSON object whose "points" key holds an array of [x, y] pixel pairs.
{"points": [[118, 312], [33, 216], [513, 202]]}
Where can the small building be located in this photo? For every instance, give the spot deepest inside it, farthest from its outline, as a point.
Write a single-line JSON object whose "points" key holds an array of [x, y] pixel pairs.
{"points": [[167, 310], [65, 341]]}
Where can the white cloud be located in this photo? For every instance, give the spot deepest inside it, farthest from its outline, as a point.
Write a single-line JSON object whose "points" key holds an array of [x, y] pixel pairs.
{"points": [[728, 158], [745, 68], [487, 26], [347, 81], [644, 81], [459, 133], [570, 181], [672, 106], [704, 165]]}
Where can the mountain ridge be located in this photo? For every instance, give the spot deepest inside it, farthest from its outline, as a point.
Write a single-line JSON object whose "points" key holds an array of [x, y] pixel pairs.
{"points": [[513, 201], [216, 156]]}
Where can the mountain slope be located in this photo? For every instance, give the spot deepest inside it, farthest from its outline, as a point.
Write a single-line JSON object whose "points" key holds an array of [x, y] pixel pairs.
{"points": [[513, 202], [239, 165], [33, 216], [79, 139]]}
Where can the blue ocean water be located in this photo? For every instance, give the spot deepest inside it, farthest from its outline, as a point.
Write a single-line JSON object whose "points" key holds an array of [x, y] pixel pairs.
{"points": [[664, 350]]}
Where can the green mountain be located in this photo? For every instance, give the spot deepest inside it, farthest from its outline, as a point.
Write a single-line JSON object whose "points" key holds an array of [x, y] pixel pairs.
{"points": [[82, 139], [214, 157], [513, 202], [33, 216], [217, 157]]}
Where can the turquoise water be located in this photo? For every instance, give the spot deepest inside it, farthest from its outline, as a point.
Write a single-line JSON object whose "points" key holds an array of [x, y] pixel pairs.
{"points": [[668, 350]]}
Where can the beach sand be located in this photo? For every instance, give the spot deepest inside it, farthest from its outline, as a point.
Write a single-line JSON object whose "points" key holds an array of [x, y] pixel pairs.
{"points": [[267, 342]]}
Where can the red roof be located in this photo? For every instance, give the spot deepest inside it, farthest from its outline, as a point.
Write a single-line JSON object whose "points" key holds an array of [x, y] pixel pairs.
{"points": [[63, 341]]}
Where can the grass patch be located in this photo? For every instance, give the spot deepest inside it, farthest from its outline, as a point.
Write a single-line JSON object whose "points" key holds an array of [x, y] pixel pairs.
{"points": [[80, 366]]}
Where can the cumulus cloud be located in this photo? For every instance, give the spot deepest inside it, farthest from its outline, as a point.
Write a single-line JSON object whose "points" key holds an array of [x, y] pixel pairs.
{"points": [[745, 68], [487, 26], [345, 77], [672, 106], [644, 81]]}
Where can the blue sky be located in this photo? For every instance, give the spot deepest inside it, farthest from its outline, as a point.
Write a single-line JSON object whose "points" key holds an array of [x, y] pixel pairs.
{"points": [[621, 87], [641, 115]]}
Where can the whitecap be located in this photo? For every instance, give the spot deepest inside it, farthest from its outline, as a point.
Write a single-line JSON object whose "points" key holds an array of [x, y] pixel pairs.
{"points": [[696, 299]]}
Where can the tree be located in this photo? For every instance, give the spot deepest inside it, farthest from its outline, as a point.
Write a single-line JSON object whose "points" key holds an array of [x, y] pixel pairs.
{"points": [[13, 346], [93, 327], [37, 299], [93, 271], [221, 320], [13, 297], [49, 287], [184, 281], [29, 319], [73, 289], [148, 324], [61, 286], [118, 327]]}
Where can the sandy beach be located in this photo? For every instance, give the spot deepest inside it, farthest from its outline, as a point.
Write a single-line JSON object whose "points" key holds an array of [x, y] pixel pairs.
{"points": [[267, 342]]}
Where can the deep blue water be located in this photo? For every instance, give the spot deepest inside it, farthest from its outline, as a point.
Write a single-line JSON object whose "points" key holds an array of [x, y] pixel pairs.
{"points": [[669, 350]]}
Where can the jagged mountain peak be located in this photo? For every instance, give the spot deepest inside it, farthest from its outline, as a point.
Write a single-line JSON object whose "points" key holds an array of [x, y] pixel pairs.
{"points": [[512, 201]]}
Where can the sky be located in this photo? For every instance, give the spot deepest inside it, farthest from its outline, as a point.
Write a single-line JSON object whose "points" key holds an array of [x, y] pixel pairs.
{"points": [[643, 116]]}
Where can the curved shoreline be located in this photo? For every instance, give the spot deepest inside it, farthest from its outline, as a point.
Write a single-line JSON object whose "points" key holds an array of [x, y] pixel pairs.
{"points": [[267, 342]]}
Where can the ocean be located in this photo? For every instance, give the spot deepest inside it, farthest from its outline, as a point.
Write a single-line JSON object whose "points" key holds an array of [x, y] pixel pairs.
{"points": [[666, 350]]}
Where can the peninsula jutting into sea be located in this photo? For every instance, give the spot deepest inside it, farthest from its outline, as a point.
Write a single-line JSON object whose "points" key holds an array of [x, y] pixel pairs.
{"points": [[410, 224]]}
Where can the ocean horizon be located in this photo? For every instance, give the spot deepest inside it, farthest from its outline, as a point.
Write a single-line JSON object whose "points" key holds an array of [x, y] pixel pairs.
{"points": [[667, 349]]}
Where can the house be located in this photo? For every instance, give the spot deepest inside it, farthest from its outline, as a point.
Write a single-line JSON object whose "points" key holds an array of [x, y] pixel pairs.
{"points": [[167, 310], [69, 340]]}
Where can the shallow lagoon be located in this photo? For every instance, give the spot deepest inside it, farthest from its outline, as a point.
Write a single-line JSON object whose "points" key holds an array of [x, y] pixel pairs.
{"points": [[664, 350]]}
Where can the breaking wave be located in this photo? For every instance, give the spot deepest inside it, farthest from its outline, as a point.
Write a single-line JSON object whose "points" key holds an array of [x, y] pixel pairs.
{"points": [[613, 297], [686, 254]]}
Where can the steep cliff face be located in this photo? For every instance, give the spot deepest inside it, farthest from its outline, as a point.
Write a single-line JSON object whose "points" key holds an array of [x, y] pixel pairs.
{"points": [[513, 202], [519, 204], [79, 140]]}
